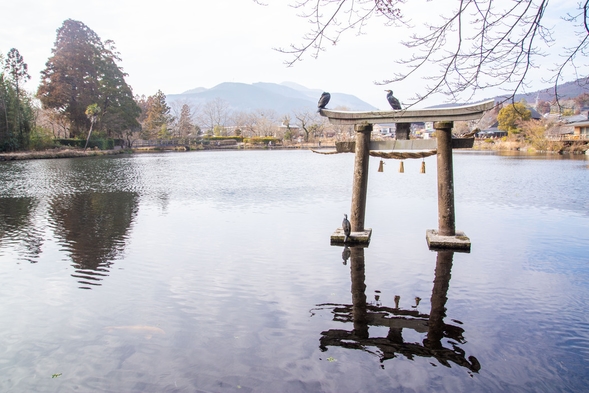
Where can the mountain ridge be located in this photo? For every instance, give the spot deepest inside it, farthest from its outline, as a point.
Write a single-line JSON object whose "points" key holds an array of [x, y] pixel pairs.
{"points": [[290, 97], [566, 90], [287, 97]]}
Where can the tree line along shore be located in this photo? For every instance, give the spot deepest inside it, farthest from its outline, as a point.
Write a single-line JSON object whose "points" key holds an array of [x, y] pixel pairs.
{"points": [[479, 145], [83, 98]]}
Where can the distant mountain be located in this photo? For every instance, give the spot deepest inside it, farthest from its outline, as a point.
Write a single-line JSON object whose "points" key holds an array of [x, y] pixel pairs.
{"points": [[194, 91], [566, 91], [303, 89], [284, 98]]}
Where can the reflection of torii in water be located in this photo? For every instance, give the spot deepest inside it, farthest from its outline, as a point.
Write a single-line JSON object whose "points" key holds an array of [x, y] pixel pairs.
{"points": [[364, 315]]}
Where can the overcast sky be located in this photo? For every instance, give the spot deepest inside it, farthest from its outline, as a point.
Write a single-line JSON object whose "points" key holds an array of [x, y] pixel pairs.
{"points": [[176, 45]]}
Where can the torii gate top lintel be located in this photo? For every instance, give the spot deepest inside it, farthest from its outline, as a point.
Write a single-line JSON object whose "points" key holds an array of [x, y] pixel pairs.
{"points": [[465, 112]]}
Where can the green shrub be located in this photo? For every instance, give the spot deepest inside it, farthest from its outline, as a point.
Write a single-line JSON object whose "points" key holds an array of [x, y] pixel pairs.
{"points": [[221, 138], [102, 144], [41, 139], [263, 140], [70, 142]]}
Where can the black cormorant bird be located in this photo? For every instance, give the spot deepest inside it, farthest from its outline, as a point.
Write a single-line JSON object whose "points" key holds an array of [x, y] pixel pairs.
{"points": [[395, 104], [347, 227], [323, 101]]}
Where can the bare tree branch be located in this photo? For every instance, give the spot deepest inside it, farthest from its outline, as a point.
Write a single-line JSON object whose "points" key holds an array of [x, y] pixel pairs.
{"points": [[328, 28], [478, 45]]}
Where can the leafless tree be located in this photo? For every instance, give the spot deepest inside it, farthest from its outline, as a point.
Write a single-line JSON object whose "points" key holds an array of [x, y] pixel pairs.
{"points": [[343, 132], [245, 122], [53, 120], [266, 122], [214, 114], [256, 123], [285, 130], [310, 122], [474, 45]]}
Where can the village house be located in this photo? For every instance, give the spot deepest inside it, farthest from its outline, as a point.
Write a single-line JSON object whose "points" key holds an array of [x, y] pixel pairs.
{"points": [[581, 130]]}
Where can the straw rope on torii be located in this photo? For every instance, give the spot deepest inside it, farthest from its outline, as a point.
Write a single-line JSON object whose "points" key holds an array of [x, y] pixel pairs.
{"points": [[398, 155], [328, 152]]}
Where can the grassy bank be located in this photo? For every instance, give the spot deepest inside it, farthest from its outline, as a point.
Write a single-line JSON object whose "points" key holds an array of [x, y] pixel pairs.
{"points": [[486, 145], [541, 146]]}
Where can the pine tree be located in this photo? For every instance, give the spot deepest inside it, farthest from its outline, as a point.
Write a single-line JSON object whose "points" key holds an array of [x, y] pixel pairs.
{"points": [[185, 125], [17, 69], [16, 111], [157, 116]]}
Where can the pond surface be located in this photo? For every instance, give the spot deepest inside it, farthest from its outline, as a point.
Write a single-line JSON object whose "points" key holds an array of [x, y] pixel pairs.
{"points": [[213, 272]]}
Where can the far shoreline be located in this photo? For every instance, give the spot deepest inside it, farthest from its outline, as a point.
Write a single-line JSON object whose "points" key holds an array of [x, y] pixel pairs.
{"points": [[77, 153], [479, 146]]}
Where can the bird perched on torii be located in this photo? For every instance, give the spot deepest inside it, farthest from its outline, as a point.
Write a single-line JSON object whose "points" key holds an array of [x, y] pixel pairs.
{"points": [[323, 101], [395, 104]]}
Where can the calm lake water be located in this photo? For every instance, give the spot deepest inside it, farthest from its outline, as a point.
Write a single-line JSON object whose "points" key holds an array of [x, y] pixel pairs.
{"points": [[213, 272]]}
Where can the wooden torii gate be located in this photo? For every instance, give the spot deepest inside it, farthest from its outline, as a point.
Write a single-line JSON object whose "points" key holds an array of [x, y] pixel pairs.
{"points": [[446, 236]]}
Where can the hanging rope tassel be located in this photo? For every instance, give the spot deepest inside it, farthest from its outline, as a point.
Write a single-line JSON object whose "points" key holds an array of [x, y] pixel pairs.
{"points": [[401, 168], [381, 166], [423, 166]]}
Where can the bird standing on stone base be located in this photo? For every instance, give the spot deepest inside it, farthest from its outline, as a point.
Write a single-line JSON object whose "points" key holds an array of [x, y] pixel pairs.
{"points": [[395, 104], [347, 227], [323, 101]]}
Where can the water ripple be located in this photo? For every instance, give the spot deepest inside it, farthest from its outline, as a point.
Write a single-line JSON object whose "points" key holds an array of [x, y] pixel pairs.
{"points": [[206, 270]]}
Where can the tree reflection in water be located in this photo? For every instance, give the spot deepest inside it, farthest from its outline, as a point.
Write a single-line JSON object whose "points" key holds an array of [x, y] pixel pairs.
{"points": [[18, 225], [432, 326], [93, 228]]}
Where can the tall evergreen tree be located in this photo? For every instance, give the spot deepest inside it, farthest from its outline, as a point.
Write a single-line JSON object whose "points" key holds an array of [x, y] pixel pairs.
{"points": [[17, 68], [185, 125], [119, 109], [16, 111], [83, 71], [157, 116]]}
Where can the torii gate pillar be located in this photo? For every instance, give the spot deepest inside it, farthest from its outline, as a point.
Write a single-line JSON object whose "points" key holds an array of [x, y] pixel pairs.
{"points": [[446, 237], [360, 185], [360, 236], [446, 210]]}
